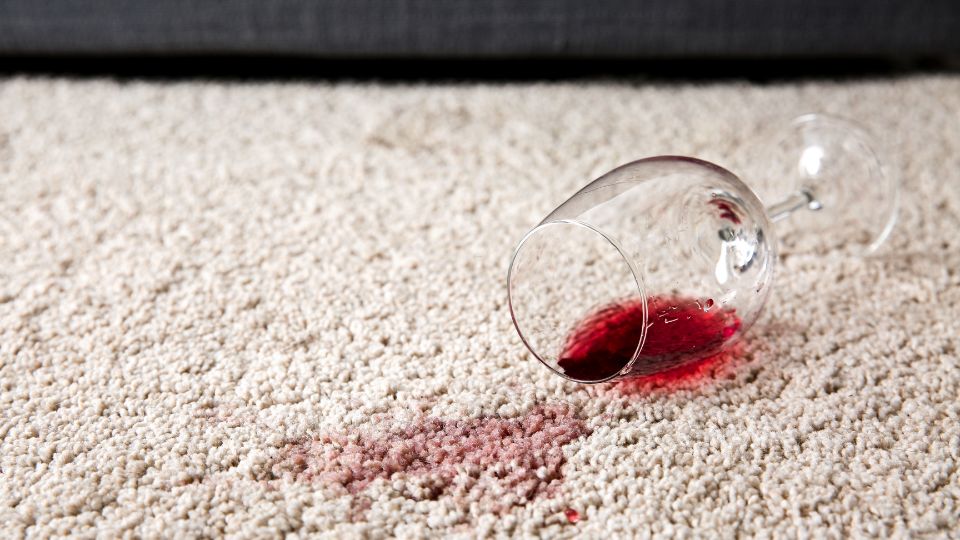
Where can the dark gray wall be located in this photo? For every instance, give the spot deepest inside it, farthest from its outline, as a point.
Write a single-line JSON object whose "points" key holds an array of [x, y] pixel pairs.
{"points": [[491, 28]]}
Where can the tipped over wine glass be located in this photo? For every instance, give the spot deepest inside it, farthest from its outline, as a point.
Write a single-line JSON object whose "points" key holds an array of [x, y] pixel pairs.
{"points": [[669, 260]]}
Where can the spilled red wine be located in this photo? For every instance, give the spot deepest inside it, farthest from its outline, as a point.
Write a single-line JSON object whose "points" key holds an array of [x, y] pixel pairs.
{"points": [[679, 330]]}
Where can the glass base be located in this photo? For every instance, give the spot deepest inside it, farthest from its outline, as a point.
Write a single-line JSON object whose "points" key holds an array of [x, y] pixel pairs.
{"points": [[828, 189]]}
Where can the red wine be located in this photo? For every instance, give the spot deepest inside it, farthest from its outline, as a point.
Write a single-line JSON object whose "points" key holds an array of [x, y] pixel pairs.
{"points": [[679, 331], [726, 211]]}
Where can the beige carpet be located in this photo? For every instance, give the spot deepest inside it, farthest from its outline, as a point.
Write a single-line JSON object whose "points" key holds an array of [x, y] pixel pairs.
{"points": [[261, 309]]}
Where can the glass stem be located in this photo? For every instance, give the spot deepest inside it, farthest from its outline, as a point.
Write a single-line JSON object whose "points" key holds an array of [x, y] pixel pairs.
{"points": [[796, 201]]}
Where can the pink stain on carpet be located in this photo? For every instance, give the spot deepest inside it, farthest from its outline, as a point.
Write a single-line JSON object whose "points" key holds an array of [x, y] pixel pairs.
{"points": [[502, 461], [693, 375]]}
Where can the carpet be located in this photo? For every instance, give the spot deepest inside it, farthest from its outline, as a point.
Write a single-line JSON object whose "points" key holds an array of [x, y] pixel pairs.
{"points": [[270, 309]]}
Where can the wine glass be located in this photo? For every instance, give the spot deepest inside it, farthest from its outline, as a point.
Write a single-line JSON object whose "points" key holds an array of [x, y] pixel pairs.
{"points": [[669, 259]]}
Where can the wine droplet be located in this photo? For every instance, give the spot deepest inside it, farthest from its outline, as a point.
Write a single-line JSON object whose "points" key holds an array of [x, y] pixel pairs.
{"points": [[572, 515], [731, 330]]}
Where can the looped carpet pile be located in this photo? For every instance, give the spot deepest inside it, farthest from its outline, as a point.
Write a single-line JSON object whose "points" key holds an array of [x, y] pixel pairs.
{"points": [[257, 310]]}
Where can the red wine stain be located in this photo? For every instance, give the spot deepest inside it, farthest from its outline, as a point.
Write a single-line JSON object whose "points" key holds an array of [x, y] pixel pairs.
{"points": [[685, 376], [503, 462], [572, 515], [726, 211], [679, 331]]}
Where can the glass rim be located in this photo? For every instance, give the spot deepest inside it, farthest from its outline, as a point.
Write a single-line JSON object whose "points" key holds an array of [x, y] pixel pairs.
{"points": [[634, 272]]}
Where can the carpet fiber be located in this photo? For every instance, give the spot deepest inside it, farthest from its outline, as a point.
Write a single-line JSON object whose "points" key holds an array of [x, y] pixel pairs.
{"points": [[261, 309]]}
